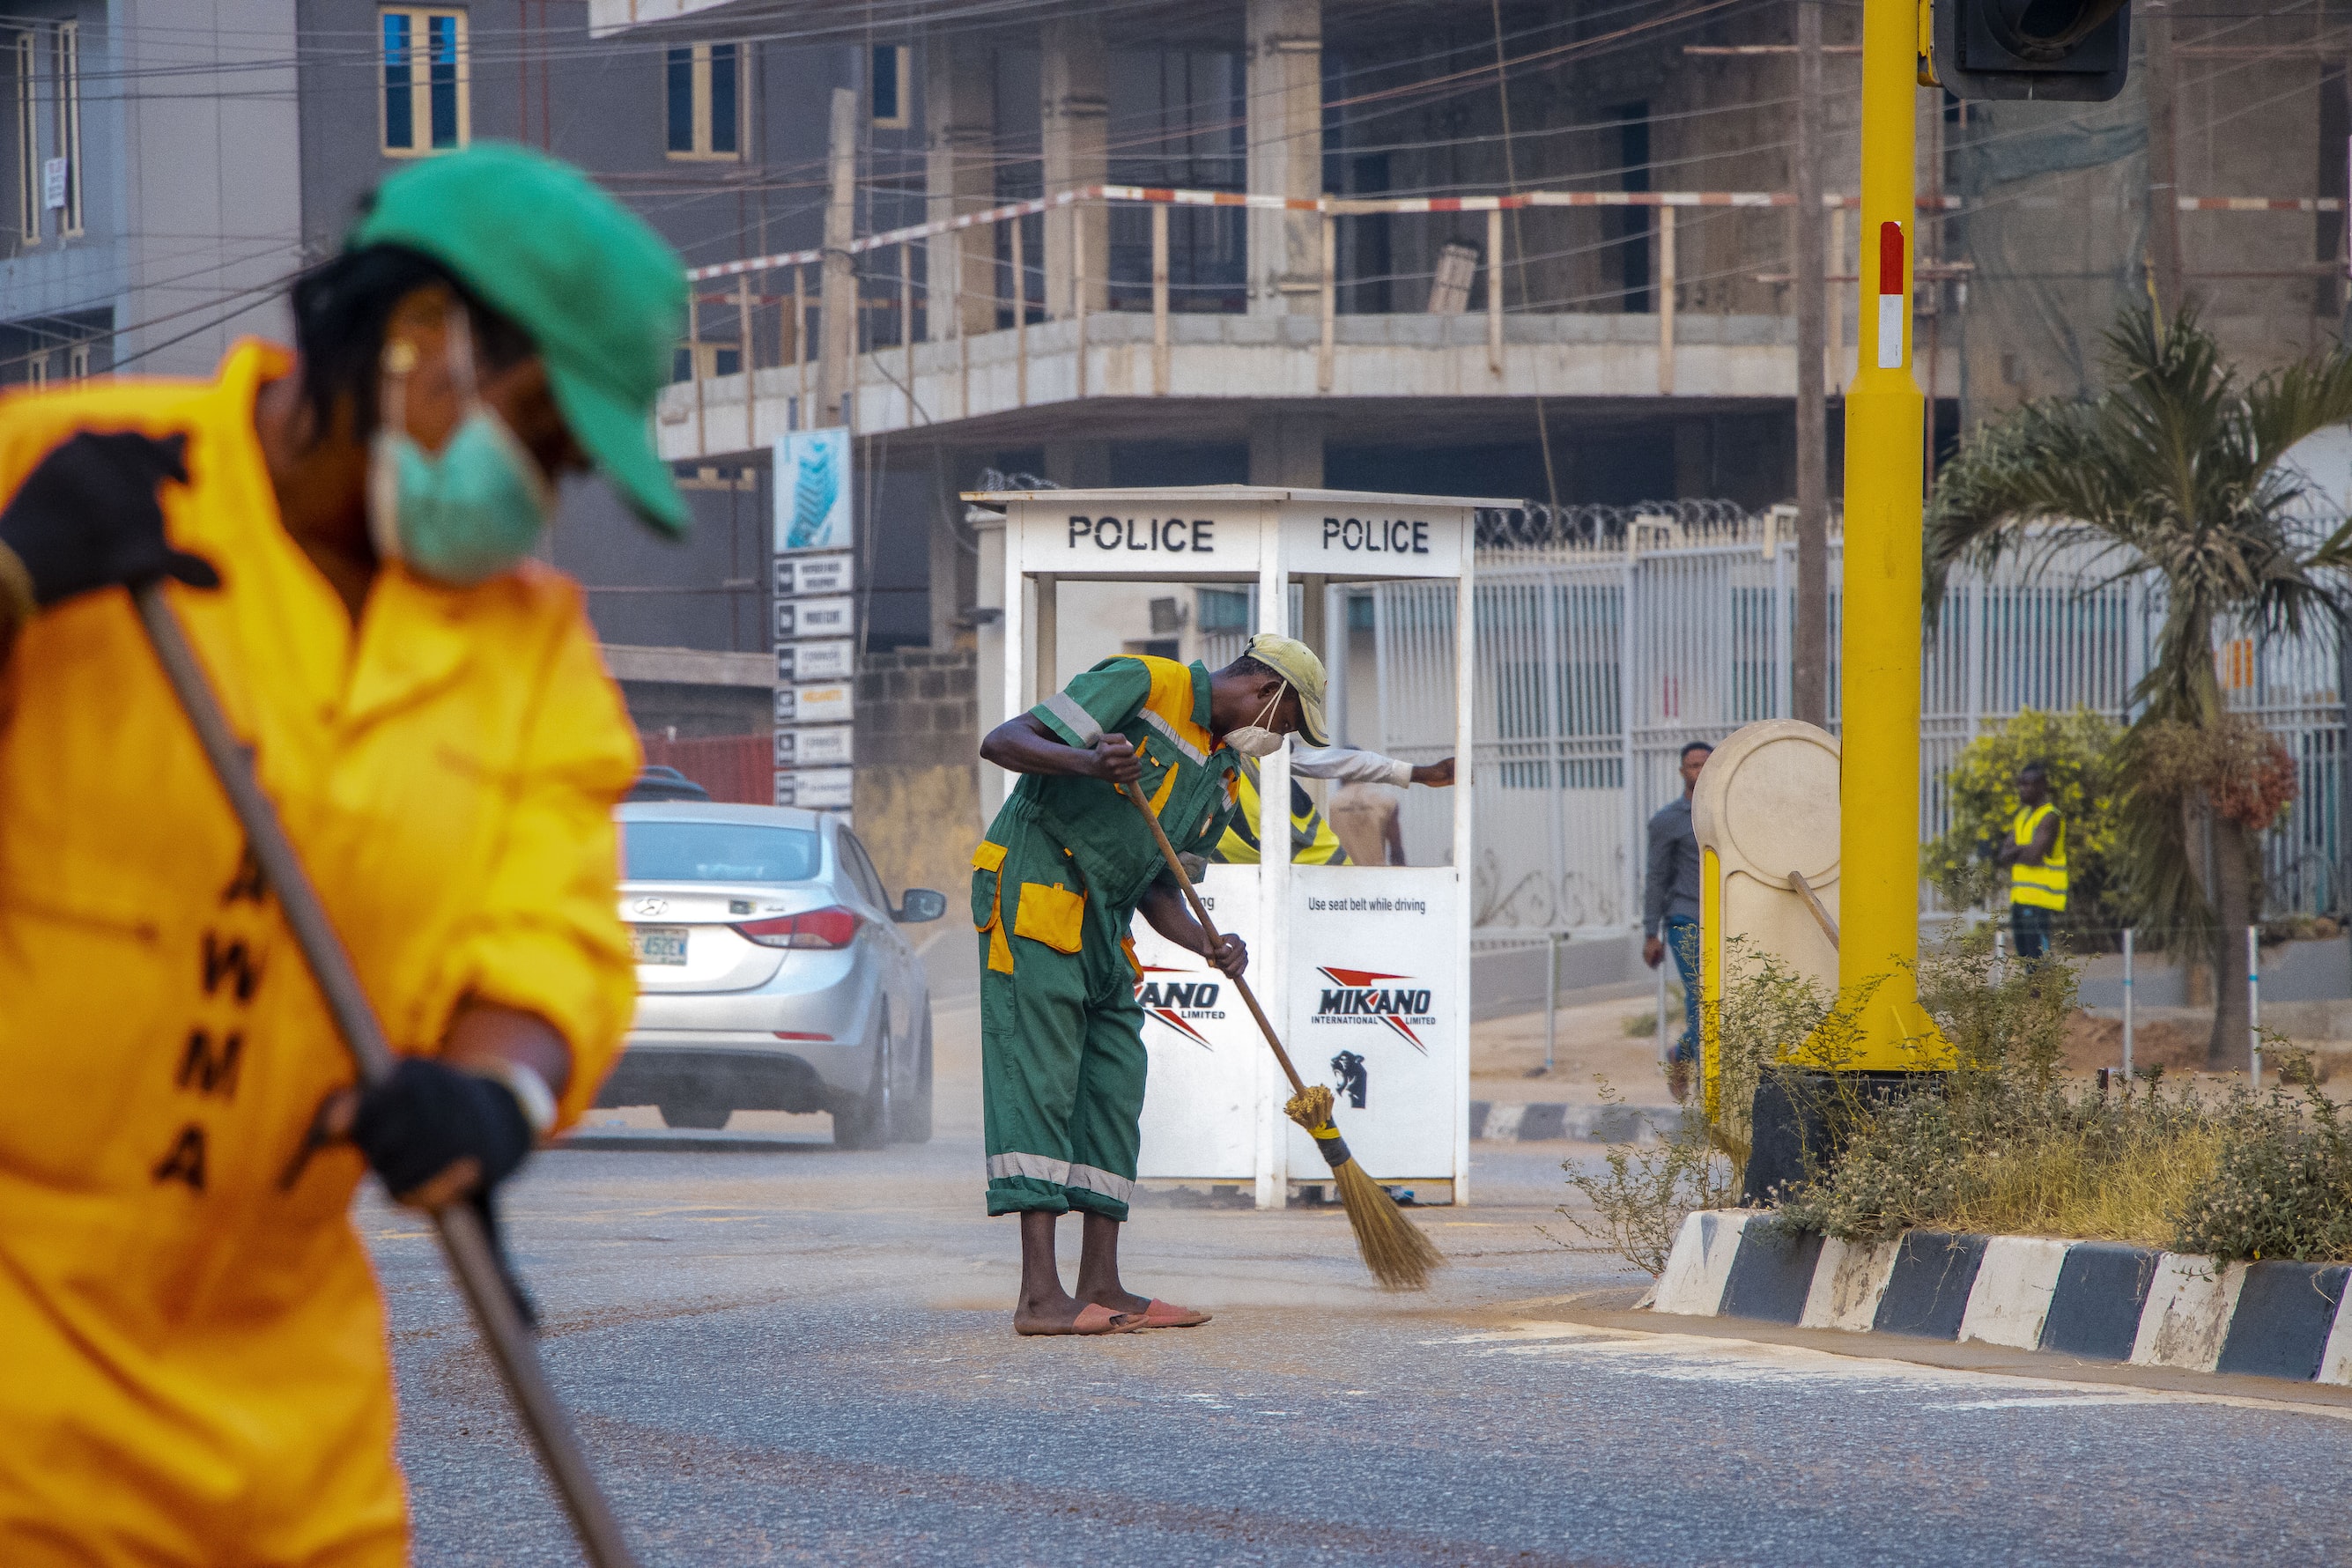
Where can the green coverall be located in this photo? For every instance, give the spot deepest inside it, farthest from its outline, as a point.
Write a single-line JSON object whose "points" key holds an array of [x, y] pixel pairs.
{"points": [[1053, 888]]}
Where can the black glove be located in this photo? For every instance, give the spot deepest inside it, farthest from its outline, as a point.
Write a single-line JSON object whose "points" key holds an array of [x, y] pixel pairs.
{"points": [[425, 1116], [88, 517]]}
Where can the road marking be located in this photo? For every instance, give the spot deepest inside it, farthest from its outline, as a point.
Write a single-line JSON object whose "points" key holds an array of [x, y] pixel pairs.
{"points": [[1701, 1358], [2055, 1401]]}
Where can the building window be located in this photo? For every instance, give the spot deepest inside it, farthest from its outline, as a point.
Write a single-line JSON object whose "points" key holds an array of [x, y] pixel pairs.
{"points": [[28, 140], [706, 100], [889, 90], [78, 361], [424, 81], [716, 359], [37, 370], [67, 182]]}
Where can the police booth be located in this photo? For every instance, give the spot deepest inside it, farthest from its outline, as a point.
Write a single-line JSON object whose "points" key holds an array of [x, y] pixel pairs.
{"points": [[1365, 969]]}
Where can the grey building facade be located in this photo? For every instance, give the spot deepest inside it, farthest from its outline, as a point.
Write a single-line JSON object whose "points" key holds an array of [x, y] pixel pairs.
{"points": [[153, 206]]}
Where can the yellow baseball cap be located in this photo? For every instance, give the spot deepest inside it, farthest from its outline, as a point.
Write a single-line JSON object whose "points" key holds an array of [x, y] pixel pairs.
{"points": [[1295, 663]]}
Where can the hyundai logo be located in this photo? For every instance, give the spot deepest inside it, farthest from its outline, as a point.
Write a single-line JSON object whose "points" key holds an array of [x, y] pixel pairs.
{"points": [[652, 906]]}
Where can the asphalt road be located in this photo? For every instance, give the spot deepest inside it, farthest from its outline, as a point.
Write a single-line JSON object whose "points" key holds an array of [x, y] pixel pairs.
{"points": [[804, 1355]]}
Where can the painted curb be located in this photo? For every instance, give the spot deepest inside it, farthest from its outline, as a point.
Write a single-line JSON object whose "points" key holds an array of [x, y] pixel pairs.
{"points": [[1538, 1121], [2097, 1300]]}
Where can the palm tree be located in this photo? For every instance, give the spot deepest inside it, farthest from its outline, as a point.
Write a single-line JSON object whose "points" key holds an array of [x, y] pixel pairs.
{"points": [[2173, 470]]}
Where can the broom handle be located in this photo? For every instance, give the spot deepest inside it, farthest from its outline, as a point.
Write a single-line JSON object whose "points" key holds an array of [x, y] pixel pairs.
{"points": [[464, 1238], [1134, 793]]}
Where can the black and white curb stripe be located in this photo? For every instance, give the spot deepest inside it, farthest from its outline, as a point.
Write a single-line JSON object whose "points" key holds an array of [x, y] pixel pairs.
{"points": [[2096, 1300], [1550, 1119]]}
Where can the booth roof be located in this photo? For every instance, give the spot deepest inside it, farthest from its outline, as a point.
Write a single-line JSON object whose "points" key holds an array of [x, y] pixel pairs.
{"points": [[997, 501]]}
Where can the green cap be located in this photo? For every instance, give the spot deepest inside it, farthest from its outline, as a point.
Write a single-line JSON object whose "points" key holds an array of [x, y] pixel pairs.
{"points": [[600, 294], [1295, 663]]}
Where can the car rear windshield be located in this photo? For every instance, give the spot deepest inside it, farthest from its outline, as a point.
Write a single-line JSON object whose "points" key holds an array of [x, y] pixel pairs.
{"points": [[718, 852]]}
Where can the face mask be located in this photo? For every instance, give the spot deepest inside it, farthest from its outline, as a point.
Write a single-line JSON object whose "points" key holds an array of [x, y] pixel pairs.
{"points": [[1253, 739], [466, 513]]}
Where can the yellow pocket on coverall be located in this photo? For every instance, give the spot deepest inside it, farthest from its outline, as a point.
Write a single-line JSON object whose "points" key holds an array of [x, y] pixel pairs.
{"points": [[1055, 916]]}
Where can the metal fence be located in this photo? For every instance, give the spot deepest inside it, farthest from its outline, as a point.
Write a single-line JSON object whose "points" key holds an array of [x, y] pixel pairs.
{"points": [[1601, 650]]}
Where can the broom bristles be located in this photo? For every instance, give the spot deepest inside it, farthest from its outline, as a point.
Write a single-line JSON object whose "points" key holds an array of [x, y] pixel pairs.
{"points": [[1393, 1249], [1396, 1252]]}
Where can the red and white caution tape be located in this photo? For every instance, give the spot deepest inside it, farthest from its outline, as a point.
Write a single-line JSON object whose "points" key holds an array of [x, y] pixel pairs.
{"points": [[1359, 205]]}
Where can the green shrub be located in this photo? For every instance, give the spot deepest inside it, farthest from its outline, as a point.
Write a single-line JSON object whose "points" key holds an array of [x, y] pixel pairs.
{"points": [[2280, 1186], [2001, 1144], [1638, 1202]]}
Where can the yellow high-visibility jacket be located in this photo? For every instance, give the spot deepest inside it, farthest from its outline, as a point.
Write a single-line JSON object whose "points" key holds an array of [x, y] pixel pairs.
{"points": [[2042, 886], [1312, 842], [195, 1366]]}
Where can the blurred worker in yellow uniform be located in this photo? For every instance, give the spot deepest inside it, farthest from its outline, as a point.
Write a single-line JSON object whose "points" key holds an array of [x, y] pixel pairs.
{"points": [[1313, 841], [197, 1365]]}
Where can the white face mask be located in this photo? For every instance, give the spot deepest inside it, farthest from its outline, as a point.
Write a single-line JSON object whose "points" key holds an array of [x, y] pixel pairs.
{"points": [[1253, 739]]}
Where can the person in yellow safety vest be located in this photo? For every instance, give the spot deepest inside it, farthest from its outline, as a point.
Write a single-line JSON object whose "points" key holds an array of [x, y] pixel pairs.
{"points": [[197, 1371], [1312, 841], [2036, 858]]}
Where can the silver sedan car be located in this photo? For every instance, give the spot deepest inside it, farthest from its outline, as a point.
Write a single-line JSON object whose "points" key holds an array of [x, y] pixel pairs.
{"points": [[772, 975]]}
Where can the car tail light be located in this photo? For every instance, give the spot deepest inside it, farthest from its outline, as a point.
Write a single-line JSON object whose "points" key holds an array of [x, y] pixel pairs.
{"points": [[830, 927], [798, 1034]]}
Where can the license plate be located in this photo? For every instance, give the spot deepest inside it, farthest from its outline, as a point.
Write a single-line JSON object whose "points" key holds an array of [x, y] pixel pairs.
{"points": [[658, 944]]}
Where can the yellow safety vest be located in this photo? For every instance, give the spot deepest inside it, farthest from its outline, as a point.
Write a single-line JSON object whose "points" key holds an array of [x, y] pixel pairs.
{"points": [[2042, 886], [1312, 842]]}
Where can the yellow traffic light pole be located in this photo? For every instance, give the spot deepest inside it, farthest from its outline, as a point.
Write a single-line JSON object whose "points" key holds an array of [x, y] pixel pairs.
{"points": [[1878, 840]]}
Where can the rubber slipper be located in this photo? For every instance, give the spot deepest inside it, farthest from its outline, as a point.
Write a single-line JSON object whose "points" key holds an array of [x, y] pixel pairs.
{"points": [[1163, 1315], [1094, 1318]]}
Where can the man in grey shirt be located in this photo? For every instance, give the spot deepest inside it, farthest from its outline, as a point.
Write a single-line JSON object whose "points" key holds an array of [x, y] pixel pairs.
{"points": [[1670, 908]]}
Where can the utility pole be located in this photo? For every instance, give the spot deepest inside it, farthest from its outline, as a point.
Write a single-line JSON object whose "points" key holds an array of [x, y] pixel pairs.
{"points": [[1884, 1032], [1878, 840], [2162, 83], [1809, 683], [837, 314]]}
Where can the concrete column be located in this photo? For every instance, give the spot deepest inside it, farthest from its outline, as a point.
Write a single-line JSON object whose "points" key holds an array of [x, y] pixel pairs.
{"points": [[1078, 465], [838, 321], [1074, 114], [952, 581], [1286, 449], [1285, 86], [960, 176]]}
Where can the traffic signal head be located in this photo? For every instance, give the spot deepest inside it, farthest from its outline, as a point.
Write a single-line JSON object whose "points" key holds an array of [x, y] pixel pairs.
{"points": [[2073, 49]]}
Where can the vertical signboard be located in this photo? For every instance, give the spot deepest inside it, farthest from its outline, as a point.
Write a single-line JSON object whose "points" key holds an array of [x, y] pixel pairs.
{"points": [[817, 619], [813, 492]]}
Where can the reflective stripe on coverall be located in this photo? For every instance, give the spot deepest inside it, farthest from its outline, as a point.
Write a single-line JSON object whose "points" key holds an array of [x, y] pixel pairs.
{"points": [[1053, 890], [197, 1370]]}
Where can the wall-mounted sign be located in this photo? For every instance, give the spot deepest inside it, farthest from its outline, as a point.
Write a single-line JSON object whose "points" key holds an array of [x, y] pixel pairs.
{"points": [[1351, 537], [816, 661], [834, 617], [825, 703], [798, 575], [813, 491], [817, 789], [54, 172], [814, 746]]}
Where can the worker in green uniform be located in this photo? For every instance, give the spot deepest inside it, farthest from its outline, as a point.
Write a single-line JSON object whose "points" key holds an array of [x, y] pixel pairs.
{"points": [[1064, 869]]}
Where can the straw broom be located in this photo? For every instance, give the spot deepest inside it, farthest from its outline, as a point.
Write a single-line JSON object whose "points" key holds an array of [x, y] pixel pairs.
{"points": [[1396, 1252]]}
